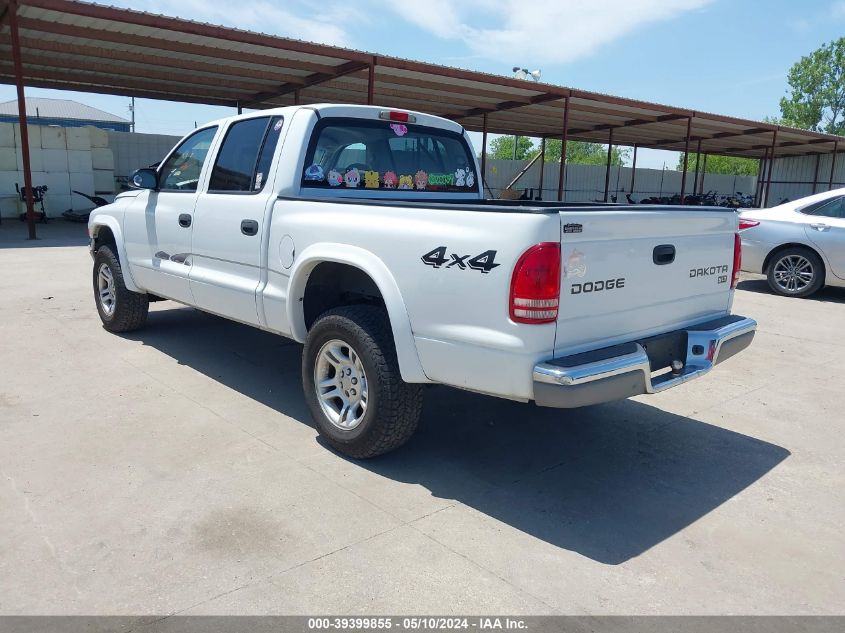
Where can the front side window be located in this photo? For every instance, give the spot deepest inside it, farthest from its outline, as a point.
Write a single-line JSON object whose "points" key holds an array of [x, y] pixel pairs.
{"points": [[181, 171], [383, 155], [828, 208], [245, 156]]}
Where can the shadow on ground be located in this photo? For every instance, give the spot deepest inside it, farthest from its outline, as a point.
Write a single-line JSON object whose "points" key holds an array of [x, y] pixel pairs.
{"points": [[55, 233], [826, 294], [608, 482]]}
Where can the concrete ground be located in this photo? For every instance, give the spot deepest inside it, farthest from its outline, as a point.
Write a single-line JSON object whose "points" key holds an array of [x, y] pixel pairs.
{"points": [[175, 470]]}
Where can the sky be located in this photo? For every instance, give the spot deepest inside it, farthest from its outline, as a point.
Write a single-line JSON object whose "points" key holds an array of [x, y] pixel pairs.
{"points": [[724, 56]]}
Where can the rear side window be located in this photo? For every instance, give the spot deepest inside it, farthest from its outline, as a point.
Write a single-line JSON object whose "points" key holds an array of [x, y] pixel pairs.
{"points": [[828, 208], [382, 155], [245, 156]]}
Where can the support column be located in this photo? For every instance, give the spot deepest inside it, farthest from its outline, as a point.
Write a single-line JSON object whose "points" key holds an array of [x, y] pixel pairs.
{"points": [[238, 106], [832, 162], [761, 170], [703, 174], [634, 170], [771, 164], [816, 173], [296, 97], [27, 166], [686, 160], [542, 164], [484, 152], [697, 167], [371, 83], [607, 169], [561, 190]]}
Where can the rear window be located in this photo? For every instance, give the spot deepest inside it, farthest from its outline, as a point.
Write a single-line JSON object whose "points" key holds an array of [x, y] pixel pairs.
{"points": [[383, 155]]}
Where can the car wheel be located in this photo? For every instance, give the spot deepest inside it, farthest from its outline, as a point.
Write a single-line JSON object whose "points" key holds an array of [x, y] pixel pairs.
{"points": [[795, 272], [120, 309], [350, 374]]}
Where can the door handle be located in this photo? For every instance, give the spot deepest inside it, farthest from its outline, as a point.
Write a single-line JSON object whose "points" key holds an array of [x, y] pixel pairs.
{"points": [[820, 227], [184, 220], [663, 254], [249, 227]]}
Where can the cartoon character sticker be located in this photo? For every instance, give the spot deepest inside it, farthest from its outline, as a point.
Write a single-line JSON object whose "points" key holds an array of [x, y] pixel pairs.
{"points": [[371, 179], [390, 180], [460, 177], [278, 125], [406, 182], [470, 178], [352, 178], [575, 265], [399, 129], [441, 179], [314, 173], [421, 180], [334, 178]]}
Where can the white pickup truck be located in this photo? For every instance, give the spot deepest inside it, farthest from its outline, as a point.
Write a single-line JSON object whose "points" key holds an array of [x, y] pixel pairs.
{"points": [[363, 233]]}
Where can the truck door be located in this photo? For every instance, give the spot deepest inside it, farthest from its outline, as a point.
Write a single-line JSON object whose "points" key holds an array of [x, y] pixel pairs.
{"points": [[229, 223], [159, 224]]}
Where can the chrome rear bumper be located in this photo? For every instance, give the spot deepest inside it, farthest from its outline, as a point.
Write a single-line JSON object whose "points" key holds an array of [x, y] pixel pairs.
{"points": [[625, 370]]}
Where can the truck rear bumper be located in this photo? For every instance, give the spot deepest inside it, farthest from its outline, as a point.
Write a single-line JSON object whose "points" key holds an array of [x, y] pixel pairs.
{"points": [[631, 369]]}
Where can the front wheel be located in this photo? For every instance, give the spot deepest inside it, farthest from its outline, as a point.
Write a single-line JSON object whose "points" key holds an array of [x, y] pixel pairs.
{"points": [[120, 309], [795, 272], [358, 400]]}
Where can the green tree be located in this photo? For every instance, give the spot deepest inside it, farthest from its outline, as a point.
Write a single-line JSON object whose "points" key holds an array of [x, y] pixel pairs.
{"points": [[716, 164], [502, 147], [816, 96], [577, 153], [580, 153]]}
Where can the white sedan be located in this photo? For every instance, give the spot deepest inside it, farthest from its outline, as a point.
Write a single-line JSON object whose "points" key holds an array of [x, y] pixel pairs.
{"points": [[799, 245]]}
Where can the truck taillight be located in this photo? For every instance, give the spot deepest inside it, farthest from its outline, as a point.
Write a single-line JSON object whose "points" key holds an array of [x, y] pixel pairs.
{"points": [[737, 260], [747, 224], [535, 285]]}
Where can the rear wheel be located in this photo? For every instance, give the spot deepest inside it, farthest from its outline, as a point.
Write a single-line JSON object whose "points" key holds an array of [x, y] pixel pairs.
{"points": [[795, 272], [120, 309], [358, 400]]}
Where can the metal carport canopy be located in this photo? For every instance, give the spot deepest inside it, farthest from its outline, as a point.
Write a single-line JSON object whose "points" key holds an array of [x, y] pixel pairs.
{"points": [[86, 47]]}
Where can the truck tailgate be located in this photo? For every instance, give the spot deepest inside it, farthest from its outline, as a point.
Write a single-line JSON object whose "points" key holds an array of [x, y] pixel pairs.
{"points": [[629, 274]]}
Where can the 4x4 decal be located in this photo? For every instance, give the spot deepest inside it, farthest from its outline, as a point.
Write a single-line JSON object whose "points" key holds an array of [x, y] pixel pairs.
{"points": [[436, 258]]}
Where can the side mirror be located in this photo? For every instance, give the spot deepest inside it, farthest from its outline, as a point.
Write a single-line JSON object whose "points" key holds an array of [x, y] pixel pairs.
{"points": [[144, 179]]}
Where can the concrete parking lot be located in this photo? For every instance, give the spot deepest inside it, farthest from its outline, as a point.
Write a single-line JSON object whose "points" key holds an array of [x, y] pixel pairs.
{"points": [[175, 470]]}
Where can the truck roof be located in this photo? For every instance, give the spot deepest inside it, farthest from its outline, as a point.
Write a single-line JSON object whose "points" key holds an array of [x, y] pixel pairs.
{"points": [[348, 110]]}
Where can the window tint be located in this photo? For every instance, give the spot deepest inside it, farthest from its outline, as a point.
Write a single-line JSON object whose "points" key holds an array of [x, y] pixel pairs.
{"points": [[237, 160], [354, 153], [828, 208], [267, 151], [181, 172]]}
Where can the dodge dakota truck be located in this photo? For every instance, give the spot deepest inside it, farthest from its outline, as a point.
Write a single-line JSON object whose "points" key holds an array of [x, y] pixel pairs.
{"points": [[363, 233]]}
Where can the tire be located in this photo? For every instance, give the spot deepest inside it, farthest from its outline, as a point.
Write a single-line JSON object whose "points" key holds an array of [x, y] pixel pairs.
{"points": [[360, 338], [120, 309], [795, 272]]}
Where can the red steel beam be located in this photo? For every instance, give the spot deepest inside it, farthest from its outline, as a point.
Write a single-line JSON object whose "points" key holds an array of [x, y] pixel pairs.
{"points": [[832, 165], [484, 153], [371, 82], [542, 164], [92, 35], [771, 164], [607, 170], [562, 178], [686, 159], [80, 51], [634, 169], [816, 172], [310, 80], [220, 33], [24, 126], [506, 105], [631, 123]]}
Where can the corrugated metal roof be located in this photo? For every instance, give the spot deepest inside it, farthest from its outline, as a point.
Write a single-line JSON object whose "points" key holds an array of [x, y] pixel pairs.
{"points": [[59, 109], [95, 48]]}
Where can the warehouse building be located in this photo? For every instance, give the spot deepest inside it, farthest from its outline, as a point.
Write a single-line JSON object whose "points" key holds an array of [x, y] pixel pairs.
{"points": [[63, 113]]}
